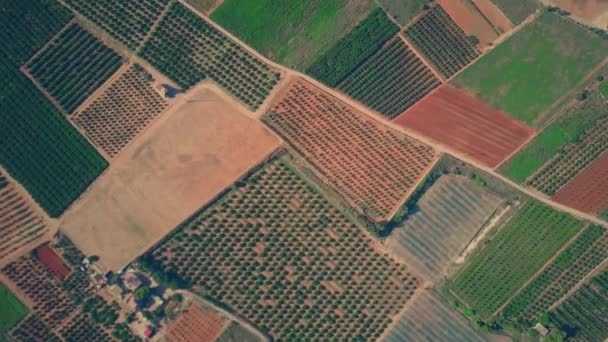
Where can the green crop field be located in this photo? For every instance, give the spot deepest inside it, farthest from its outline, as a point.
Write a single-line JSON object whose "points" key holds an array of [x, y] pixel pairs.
{"points": [[530, 71], [11, 310], [526, 242], [291, 32], [402, 11], [517, 10]]}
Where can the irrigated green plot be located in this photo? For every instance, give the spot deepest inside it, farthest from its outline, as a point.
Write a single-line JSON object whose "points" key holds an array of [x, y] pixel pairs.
{"points": [[11, 310], [521, 248], [291, 32], [530, 71], [403, 10], [517, 10]]}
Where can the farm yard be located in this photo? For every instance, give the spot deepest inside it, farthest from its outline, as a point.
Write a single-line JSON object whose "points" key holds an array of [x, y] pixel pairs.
{"points": [[291, 32], [519, 249], [517, 11], [11, 311], [197, 324], [448, 217], [122, 111], [458, 120], [391, 80], [431, 319], [298, 269], [442, 42], [72, 66], [188, 50], [534, 68], [190, 155], [373, 167], [470, 19]]}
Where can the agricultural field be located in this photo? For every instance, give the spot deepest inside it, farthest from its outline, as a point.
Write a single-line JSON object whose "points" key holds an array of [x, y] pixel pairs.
{"points": [[188, 49], [520, 248], [590, 12], [11, 311], [568, 269], [197, 324], [372, 166], [431, 319], [52, 262], [391, 80], [21, 225], [442, 42], [291, 32], [402, 11], [192, 153], [584, 316], [237, 333], [517, 11], [534, 68], [448, 216], [129, 22], [72, 66], [122, 111], [460, 121], [470, 19], [205, 6], [494, 15], [298, 268], [354, 49]]}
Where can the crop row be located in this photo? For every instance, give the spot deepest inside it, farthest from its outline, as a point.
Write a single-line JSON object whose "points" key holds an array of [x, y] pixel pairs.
{"points": [[440, 39], [277, 252], [73, 66], [525, 243], [188, 49], [391, 81], [128, 21]]}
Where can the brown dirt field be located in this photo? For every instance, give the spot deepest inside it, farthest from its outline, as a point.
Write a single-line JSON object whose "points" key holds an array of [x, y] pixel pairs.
{"points": [[587, 9], [197, 325], [500, 22], [470, 20], [185, 159], [458, 120], [588, 191]]}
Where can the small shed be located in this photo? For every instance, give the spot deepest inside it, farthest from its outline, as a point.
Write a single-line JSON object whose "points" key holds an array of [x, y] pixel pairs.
{"points": [[542, 330]]}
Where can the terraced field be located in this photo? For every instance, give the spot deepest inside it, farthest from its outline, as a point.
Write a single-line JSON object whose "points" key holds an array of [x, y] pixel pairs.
{"points": [[447, 218]]}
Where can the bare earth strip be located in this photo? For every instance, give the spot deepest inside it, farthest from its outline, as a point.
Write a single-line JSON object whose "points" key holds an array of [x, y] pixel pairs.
{"points": [[185, 159]]}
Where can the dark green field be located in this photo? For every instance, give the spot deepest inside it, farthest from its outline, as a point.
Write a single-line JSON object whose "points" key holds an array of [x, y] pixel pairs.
{"points": [[11, 311]]}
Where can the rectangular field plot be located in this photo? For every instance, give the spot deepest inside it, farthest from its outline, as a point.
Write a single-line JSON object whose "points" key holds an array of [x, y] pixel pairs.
{"points": [[442, 42], [517, 11], [274, 248], [72, 66], [11, 310], [521, 247], [390, 81], [448, 217], [197, 324], [459, 121], [372, 166], [568, 269], [126, 108], [193, 153], [535, 67], [188, 49], [127, 21], [431, 319], [470, 19]]}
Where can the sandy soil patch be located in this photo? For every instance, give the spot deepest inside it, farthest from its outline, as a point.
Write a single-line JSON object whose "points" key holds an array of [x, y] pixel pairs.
{"points": [[589, 10], [185, 159], [470, 19]]}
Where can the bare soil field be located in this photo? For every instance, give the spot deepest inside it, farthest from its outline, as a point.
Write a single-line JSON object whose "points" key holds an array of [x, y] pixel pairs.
{"points": [[589, 10], [588, 191], [456, 119], [187, 157], [196, 325], [498, 19], [470, 20]]}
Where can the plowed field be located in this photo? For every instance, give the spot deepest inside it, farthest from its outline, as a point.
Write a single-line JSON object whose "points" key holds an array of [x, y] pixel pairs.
{"points": [[588, 191], [455, 119], [196, 325]]}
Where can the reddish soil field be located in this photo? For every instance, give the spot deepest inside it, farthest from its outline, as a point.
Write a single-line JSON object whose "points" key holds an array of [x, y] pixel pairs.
{"points": [[588, 191], [196, 325], [494, 15], [52, 261], [470, 20], [456, 119]]}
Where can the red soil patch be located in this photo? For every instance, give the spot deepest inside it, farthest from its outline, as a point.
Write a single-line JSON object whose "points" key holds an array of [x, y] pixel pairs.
{"points": [[196, 325], [458, 120], [52, 261], [494, 15], [588, 191], [470, 19]]}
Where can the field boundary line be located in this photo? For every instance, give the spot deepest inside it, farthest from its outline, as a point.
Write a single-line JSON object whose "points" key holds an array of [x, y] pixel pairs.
{"points": [[154, 26], [45, 93], [390, 17], [578, 285], [420, 56], [580, 172]]}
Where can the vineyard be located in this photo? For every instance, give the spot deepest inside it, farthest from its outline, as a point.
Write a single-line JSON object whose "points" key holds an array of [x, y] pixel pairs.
{"points": [[20, 224], [188, 49], [526, 242], [128, 21], [72, 66], [373, 167], [438, 37], [196, 324], [353, 49], [585, 314], [568, 269], [390, 81], [124, 110], [279, 254], [449, 215], [461, 122]]}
